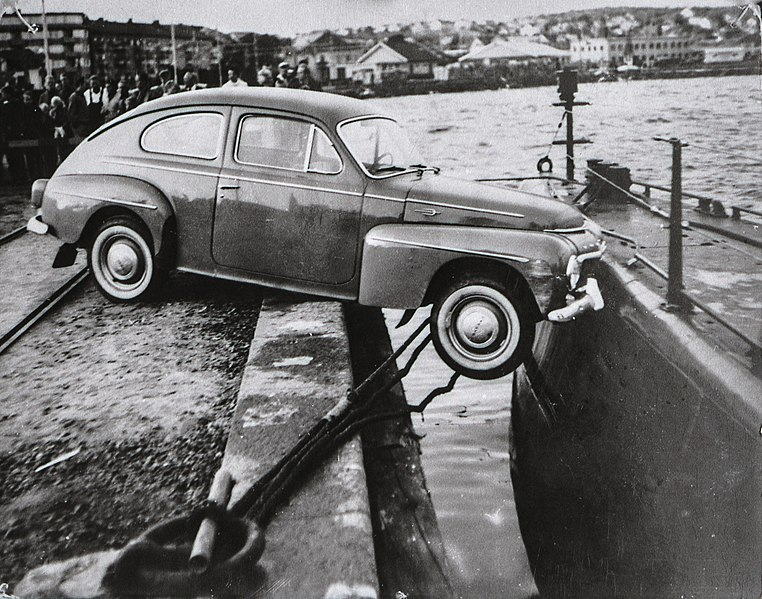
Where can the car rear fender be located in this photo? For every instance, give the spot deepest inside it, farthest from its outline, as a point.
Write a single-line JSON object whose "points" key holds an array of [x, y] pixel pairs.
{"points": [[74, 205], [400, 261]]}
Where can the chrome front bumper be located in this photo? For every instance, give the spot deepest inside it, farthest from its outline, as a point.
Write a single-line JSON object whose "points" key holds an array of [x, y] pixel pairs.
{"points": [[591, 300]]}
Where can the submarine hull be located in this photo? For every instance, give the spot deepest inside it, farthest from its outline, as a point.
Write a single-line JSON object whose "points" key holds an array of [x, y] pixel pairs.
{"points": [[636, 455]]}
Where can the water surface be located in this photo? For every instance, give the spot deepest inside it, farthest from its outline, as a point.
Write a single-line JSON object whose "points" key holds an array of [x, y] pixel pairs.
{"points": [[504, 133]]}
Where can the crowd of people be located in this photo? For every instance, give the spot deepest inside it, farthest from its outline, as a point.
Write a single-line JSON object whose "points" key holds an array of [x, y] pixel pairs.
{"points": [[38, 128]]}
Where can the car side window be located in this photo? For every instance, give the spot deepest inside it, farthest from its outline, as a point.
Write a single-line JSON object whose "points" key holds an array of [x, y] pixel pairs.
{"points": [[196, 135], [274, 142], [323, 156]]}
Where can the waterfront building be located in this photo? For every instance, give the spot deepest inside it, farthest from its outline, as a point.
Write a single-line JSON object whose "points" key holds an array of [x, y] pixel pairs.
{"points": [[332, 57], [399, 55], [720, 54], [637, 50], [514, 50]]}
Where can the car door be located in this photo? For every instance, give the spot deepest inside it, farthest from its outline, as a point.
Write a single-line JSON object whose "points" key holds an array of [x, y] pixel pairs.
{"points": [[288, 205]]}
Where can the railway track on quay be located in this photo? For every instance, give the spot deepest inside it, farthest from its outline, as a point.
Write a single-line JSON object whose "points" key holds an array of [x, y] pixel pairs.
{"points": [[15, 233], [12, 332], [18, 330]]}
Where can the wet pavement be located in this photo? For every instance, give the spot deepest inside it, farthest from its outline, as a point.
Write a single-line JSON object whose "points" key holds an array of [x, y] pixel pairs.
{"points": [[144, 392]]}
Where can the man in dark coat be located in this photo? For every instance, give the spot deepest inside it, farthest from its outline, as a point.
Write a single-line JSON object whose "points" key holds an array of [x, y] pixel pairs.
{"points": [[79, 116], [10, 120]]}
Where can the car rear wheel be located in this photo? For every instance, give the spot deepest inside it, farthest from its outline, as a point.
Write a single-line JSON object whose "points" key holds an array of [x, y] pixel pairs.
{"points": [[481, 326], [121, 260]]}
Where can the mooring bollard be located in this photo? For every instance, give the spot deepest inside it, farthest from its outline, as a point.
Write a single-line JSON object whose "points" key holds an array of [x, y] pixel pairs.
{"points": [[620, 179], [203, 546]]}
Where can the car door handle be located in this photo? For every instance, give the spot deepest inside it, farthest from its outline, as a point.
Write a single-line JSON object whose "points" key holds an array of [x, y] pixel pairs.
{"points": [[427, 211], [230, 186]]}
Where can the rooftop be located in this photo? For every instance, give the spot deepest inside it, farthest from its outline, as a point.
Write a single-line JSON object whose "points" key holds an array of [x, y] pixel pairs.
{"points": [[514, 48]]}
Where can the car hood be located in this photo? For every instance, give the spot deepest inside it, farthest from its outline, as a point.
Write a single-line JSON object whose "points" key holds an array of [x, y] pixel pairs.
{"points": [[437, 199]]}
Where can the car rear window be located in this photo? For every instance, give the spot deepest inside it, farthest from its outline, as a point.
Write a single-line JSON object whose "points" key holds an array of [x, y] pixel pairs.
{"points": [[196, 135]]}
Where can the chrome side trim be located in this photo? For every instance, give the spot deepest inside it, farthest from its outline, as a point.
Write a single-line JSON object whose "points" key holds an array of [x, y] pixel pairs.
{"points": [[239, 178], [377, 197], [171, 169], [109, 200], [485, 210], [297, 186], [451, 249]]}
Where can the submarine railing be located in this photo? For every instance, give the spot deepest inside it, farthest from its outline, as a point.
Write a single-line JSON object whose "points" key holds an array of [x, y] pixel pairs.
{"points": [[706, 204], [677, 297]]}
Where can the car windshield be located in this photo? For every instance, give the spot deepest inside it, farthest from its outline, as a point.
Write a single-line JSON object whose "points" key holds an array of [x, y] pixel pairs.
{"points": [[380, 145]]}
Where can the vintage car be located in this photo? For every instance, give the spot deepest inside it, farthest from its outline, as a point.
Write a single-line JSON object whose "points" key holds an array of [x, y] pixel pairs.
{"points": [[312, 192]]}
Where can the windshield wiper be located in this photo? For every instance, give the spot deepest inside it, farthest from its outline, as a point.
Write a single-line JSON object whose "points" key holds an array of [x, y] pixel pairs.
{"points": [[422, 167]]}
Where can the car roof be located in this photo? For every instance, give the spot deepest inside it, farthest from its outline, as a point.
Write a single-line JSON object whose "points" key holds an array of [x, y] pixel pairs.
{"points": [[329, 108]]}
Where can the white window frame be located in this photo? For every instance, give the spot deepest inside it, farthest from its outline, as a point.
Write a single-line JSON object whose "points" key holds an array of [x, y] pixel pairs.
{"points": [[220, 135], [307, 156]]}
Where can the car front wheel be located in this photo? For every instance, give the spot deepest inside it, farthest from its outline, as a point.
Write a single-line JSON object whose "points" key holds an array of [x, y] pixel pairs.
{"points": [[481, 326], [121, 260]]}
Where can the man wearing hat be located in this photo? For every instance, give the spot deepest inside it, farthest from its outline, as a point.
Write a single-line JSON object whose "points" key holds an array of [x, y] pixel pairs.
{"points": [[283, 78], [303, 78]]}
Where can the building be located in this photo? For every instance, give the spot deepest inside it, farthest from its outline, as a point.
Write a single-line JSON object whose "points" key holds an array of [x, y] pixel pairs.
{"points": [[68, 39], [513, 51], [396, 54], [640, 51], [720, 54], [332, 57], [118, 48], [77, 44]]}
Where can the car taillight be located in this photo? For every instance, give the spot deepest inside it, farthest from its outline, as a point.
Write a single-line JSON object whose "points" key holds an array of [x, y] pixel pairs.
{"points": [[38, 189]]}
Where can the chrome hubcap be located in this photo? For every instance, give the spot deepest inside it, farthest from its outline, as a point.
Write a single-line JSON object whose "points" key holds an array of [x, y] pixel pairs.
{"points": [[122, 260], [479, 326]]}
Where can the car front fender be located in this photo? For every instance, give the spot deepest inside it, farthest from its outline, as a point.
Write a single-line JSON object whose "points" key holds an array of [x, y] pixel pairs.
{"points": [[399, 261], [71, 201]]}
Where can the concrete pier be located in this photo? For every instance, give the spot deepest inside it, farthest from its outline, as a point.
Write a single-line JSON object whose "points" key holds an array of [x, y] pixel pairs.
{"points": [[319, 544]]}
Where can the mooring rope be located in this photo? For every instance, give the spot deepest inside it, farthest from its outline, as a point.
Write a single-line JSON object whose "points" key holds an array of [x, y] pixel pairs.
{"points": [[249, 515]]}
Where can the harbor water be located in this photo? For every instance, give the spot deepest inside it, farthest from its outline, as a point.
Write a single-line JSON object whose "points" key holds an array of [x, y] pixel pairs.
{"points": [[504, 133]]}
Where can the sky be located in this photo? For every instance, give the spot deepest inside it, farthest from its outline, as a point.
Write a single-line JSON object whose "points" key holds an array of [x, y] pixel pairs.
{"points": [[289, 17]]}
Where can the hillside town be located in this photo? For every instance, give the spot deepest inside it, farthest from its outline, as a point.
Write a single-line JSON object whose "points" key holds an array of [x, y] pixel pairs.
{"points": [[597, 40], [64, 74]]}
